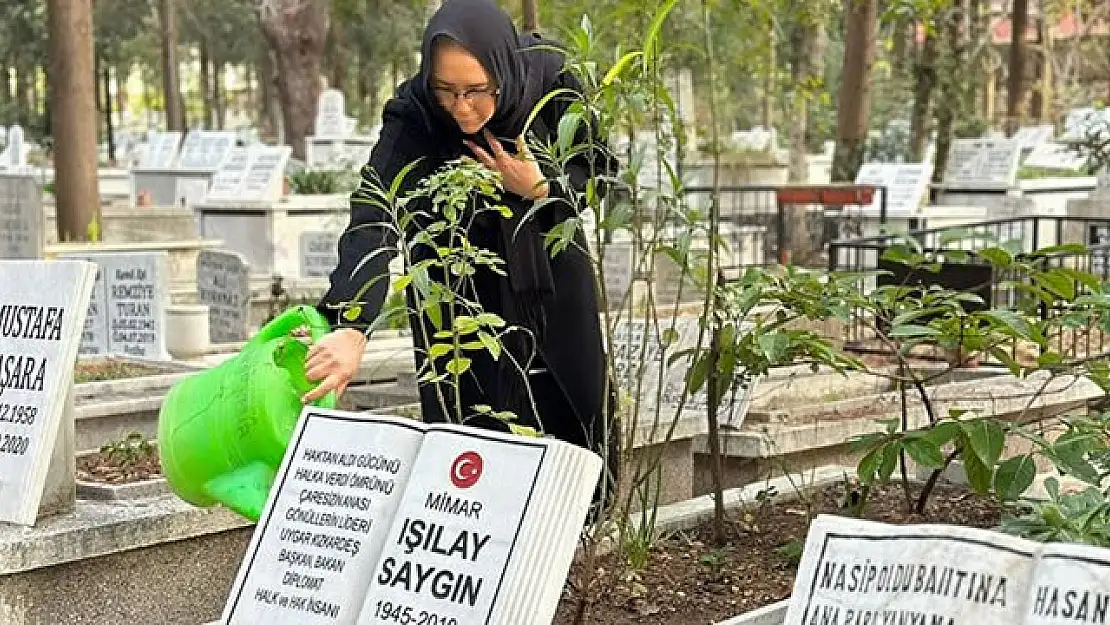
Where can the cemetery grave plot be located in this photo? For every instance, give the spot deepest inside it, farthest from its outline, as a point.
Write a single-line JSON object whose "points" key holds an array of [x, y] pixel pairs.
{"points": [[112, 369], [688, 580], [130, 459]]}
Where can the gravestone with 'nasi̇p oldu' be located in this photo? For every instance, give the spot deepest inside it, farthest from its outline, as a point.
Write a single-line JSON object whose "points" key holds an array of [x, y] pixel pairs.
{"points": [[40, 329]]}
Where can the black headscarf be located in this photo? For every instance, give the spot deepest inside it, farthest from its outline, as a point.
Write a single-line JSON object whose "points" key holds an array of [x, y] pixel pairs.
{"points": [[523, 74]]}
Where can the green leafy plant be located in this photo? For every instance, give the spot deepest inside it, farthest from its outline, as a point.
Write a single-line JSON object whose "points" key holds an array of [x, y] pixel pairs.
{"points": [[322, 181], [1079, 517], [129, 451]]}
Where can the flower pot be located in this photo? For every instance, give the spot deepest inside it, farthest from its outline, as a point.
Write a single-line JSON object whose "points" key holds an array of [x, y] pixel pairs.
{"points": [[187, 330]]}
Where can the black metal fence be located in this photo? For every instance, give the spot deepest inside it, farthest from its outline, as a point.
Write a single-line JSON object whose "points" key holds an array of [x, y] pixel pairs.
{"points": [[757, 221], [1020, 235]]}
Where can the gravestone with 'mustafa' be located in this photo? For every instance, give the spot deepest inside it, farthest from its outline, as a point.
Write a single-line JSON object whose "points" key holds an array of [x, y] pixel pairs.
{"points": [[42, 309]]}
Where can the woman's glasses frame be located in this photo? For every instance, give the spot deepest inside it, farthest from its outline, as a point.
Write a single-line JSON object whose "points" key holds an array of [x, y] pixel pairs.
{"points": [[450, 97]]}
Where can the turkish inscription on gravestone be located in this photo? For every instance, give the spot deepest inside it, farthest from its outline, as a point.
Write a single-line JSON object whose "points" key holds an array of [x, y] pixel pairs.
{"points": [[319, 254], [223, 284], [38, 345], [21, 217], [127, 313]]}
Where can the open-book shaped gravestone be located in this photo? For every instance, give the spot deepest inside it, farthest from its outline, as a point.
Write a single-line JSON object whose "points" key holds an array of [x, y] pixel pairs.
{"points": [[205, 149], [374, 520], [42, 310], [860, 572], [161, 150], [127, 312], [229, 177], [223, 284], [982, 163], [21, 217], [646, 361]]}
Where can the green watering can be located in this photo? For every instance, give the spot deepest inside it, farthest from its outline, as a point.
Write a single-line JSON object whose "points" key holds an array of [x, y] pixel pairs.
{"points": [[222, 432]]}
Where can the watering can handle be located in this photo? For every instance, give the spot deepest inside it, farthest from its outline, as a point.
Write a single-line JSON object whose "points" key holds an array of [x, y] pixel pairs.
{"points": [[291, 319]]}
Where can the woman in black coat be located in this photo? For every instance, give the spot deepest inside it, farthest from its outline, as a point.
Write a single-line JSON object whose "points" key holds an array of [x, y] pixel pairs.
{"points": [[477, 85]]}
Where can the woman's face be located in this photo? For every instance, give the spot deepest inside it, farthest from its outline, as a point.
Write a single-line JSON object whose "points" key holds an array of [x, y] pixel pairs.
{"points": [[463, 87]]}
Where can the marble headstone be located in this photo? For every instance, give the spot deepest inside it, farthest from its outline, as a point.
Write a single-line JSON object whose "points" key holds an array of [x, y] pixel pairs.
{"points": [[39, 332], [21, 217], [223, 284], [319, 254]]}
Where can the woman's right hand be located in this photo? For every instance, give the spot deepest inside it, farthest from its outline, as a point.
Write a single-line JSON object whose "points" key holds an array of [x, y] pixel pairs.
{"points": [[335, 359]]}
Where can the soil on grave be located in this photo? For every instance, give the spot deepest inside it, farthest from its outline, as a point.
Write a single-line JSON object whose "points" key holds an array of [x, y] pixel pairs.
{"points": [[689, 582], [111, 370], [104, 469]]}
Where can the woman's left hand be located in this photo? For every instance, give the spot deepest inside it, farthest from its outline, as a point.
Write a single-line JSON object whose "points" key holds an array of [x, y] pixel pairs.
{"points": [[519, 174]]}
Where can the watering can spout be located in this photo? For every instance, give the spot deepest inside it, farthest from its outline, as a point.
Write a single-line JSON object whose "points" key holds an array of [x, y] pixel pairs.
{"points": [[222, 432]]}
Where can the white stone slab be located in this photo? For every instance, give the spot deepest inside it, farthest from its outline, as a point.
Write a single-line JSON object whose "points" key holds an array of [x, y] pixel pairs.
{"points": [[189, 192], [21, 217], [205, 149], [363, 505], [39, 333], [990, 163], [906, 184], [127, 313], [331, 116], [14, 157], [618, 269], [1055, 156], [265, 173], [637, 341], [319, 253], [161, 150], [1031, 136], [229, 177], [223, 284]]}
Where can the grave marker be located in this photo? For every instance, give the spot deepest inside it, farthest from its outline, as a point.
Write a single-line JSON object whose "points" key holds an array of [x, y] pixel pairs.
{"points": [[21, 217], [990, 163], [39, 332], [161, 150], [189, 192], [265, 173], [205, 149], [14, 156], [331, 120], [319, 254], [906, 184], [618, 267], [127, 312], [1031, 136], [346, 533], [229, 177], [1055, 156], [855, 571], [636, 341], [223, 284]]}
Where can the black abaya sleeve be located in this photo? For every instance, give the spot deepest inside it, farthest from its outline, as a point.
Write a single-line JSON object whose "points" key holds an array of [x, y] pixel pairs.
{"points": [[367, 245]]}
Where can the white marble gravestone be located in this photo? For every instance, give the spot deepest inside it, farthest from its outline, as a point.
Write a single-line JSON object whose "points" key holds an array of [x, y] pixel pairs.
{"points": [[21, 217], [39, 333], [618, 268], [161, 150], [982, 163], [265, 173], [855, 571], [906, 184], [223, 284], [14, 157], [205, 149], [229, 177], [319, 254], [639, 355], [1055, 156], [331, 116], [127, 312]]}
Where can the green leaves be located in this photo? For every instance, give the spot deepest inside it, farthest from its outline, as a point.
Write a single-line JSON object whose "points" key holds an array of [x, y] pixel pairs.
{"points": [[1014, 477], [986, 439]]}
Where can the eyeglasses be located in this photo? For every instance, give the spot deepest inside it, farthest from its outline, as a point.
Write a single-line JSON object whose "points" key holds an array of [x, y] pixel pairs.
{"points": [[450, 97]]}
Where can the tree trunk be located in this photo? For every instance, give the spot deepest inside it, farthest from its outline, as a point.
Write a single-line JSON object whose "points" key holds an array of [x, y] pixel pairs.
{"points": [[297, 32], [121, 94], [109, 127], [768, 116], [1015, 87], [529, 16], [925, 76], [855, 89], [206, 83], [73, 94], [952, 93], [219, 93], [167, 16], [337, 61]]}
